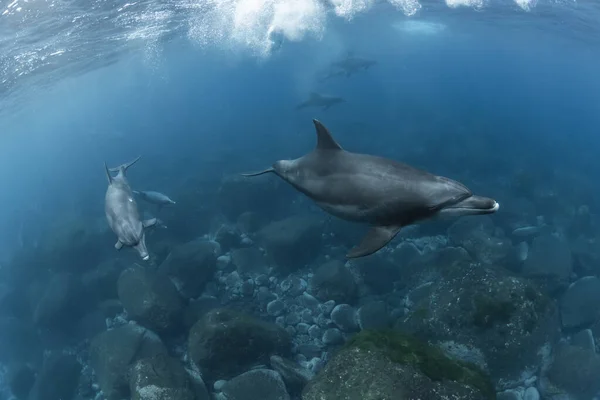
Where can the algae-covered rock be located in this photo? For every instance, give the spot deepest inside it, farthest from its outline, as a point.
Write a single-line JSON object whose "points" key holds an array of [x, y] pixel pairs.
{"points": [[387, 364], [160, 378], [481, 307], [225, 343], [113, 352], [150, 299]]}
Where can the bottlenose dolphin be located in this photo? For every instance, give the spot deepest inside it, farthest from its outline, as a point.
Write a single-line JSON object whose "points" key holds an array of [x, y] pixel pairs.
{"points": [[369, 189], [320, 100], [154, 197], [122, 212], [351, 65]]}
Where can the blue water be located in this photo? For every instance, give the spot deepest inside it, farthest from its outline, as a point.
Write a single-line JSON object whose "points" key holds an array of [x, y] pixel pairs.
{"points": [[485, 92]]}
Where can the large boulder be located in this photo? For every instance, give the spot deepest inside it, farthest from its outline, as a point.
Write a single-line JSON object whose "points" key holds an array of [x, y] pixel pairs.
{"points": [[113, 352], [549, 257], [292, 242], [574, 371], [150, 299], [161, 378], [190, 266], [386, 364], [263, 384], [333, 281], [505, 318], [225, 343], [58, 378], [580, 305]]}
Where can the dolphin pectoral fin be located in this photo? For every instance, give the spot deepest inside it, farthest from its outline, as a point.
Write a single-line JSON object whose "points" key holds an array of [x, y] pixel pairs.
{"points": [[375, 239], [119, 245], [149, 222], [265, 171], [108, 174]]}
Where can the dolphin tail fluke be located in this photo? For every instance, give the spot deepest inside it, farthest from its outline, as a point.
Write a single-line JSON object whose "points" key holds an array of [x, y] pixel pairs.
{"points": [[265, 171], [124, 167], [375, 239]]}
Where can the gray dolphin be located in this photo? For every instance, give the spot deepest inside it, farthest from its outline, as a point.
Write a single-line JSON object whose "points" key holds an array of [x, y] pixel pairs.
{"points": [[351, 65], [320, 100], [154, 197], [122, 212], [369, 189]]}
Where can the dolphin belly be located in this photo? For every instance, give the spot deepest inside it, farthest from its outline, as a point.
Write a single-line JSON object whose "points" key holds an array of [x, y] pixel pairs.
{"points": [[349, 212]]}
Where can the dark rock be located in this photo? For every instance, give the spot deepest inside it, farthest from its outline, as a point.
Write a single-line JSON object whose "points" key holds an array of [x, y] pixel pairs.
{"points": [[101, 283], [249, 260], [249, 222], [580, 305], [378, 273], [159, 378], [190, 266], [21, 380], [309, 350], [60, 303], [263, 384], [332, 336], [150, 299], [344, 316], [293, 286], [113, 352], [58, 379], [293, 242], [549, 256], [226, 342], [197, 308], [576, 371], [388, 365], [333, 281], [294, 375], [585, 340], [476, 235], [373, 315], [508, 318]]}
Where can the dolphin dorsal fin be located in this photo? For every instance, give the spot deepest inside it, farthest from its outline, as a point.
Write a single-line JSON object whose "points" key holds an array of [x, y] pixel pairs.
{"points": [[324, 139]]}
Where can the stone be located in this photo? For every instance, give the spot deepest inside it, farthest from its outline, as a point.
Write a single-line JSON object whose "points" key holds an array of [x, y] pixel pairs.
{"points": [[344, 316], [373, 315], [580, 305], [548, 256], [150, 299], [292, 242], [531, 394], [585, 340], [575, 371], [225, 343], [333, 281], [159, 378], [249, 260], [190, 266], [263, 384], [388, 365], [58, 379], [275, 308], [293, 374], [113, 352], [332, 336]]}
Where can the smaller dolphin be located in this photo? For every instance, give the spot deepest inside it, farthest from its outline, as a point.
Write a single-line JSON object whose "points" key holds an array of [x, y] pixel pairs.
{"points": [[122, 212], [320, 100], [352, 65], [154, 197]]}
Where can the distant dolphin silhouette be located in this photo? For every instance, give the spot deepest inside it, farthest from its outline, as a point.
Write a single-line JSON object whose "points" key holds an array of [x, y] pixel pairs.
{"points": [[122, 212], [320, 100], [374, 190]]}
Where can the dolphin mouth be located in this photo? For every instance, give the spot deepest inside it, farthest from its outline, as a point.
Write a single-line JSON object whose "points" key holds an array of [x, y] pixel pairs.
{"points": [[474, 205]]}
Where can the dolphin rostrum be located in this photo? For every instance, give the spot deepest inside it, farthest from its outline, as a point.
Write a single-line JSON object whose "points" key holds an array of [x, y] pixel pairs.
{"points": [[383, 193], [122, 212], [320, 100], [154, 197]]}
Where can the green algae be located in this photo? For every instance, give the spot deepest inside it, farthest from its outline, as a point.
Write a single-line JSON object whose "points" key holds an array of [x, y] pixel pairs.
{"points": [[489, 311], [407, 350]]}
